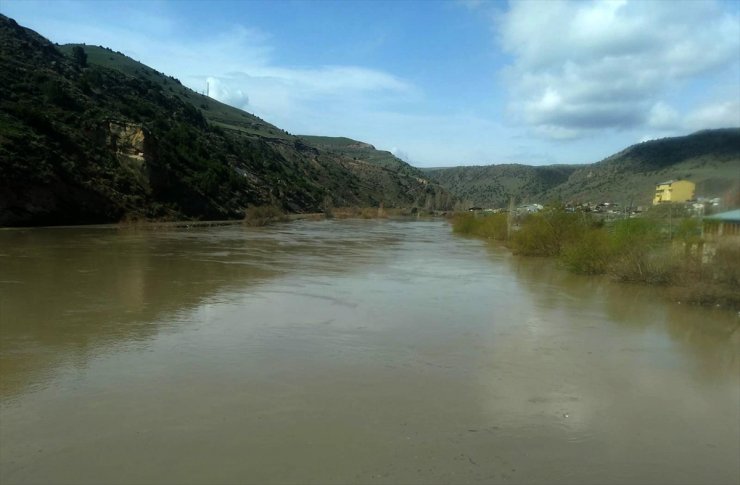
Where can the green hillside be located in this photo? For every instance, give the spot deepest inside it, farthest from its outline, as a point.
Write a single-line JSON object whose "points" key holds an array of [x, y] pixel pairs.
{"points": [[495, 185], [214, 111], [710, 158], [88, 135]]}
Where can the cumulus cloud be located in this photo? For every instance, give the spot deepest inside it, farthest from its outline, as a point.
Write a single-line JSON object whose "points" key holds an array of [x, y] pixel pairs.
{"points": [[226, 93], [584, 66], [715, 115], [303, 100]]}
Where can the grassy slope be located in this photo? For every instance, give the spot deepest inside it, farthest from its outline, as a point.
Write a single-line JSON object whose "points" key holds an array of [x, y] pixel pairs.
{"points": [[214, 111]]}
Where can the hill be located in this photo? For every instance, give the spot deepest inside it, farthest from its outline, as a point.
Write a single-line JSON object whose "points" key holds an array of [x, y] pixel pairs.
{"points": [[88, 135], [495, 185], [390, 165], [709, 158]]}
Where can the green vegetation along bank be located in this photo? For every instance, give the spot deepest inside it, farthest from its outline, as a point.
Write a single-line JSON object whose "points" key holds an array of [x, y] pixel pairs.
{"points": [[653, 250]]}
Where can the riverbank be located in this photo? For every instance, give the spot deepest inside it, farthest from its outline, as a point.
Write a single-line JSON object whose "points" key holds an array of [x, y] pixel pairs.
{"points": [[643, 251]]}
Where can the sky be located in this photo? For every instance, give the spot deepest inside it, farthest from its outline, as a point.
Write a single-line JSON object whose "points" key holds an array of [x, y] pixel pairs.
{"points": [[438, 83]]}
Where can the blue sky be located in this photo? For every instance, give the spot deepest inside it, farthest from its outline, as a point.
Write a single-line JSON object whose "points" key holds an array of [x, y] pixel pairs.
{"points": [[438, 83]]}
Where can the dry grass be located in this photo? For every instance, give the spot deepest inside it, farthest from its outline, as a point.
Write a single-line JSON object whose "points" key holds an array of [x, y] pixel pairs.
{"points": [[360, 213], [264, 215]]}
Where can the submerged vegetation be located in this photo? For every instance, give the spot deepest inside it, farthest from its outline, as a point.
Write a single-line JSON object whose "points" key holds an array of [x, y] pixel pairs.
{"points": [[649, 250]]}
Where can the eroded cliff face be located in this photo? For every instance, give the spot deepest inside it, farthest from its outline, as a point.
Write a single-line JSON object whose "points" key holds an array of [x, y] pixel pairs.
{"points": [[126, 136], [127, 140]]}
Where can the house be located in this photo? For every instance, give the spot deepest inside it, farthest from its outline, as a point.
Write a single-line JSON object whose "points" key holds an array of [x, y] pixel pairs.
{"points": [[529, 208], [723, 226], [674, 191]]}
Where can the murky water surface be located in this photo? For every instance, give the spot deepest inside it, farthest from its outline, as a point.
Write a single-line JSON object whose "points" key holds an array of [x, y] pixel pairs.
{"points": [[348, 352]]}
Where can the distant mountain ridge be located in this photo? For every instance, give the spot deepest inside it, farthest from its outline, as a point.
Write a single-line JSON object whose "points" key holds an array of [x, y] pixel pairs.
{"points": [[709, 158], [88, 135], [496, 185]]}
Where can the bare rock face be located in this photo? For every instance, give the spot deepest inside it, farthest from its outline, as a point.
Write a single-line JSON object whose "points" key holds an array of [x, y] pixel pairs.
{"points": [[127, 140]]}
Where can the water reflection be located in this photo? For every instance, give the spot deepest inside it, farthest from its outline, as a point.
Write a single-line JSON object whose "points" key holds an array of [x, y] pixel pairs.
{"points": [[68, 292], [348, 352], [711, 335]]}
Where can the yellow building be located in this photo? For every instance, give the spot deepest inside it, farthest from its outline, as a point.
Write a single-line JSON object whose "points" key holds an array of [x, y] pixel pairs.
{"points": [[674, 191]]}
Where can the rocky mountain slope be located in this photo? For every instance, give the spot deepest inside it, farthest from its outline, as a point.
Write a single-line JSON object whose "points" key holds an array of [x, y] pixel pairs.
{"points": [[88, 135], [709, 158], [394, 167]]}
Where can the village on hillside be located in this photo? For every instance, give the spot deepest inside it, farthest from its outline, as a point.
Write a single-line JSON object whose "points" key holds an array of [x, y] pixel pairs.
{"points": [[718, 217]]}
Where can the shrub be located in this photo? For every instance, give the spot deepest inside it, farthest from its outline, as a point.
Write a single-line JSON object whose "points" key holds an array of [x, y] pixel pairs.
{"points": [[491, 226], [640, 252], [79, 55], [645, 266], [590, 254], [264, 215], [725, 266], [547, 232], [637, 234], [714, 282]]}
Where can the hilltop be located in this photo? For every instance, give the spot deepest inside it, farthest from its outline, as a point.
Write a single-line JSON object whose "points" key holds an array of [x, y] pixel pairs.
{"points": [[88, 135], [709, 158]]}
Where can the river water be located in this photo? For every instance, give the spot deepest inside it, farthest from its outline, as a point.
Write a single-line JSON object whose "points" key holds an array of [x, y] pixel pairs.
{"points": [[348, 352]]}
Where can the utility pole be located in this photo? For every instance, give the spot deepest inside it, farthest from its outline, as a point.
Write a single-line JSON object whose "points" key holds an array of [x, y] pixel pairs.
{"points": [[510, 218]]}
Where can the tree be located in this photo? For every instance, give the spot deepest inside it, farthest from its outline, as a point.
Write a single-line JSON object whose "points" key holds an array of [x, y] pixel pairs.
{"points": [[79, 56]]}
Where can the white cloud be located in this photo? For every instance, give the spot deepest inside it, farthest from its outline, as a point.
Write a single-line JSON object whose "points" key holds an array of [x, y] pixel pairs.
{"points": [[584, 66], [717, 115], [225, 93], [663, 117]]}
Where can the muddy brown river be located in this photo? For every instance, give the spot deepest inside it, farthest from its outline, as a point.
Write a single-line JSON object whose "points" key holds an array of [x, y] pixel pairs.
{"points": [[348, 352]]}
